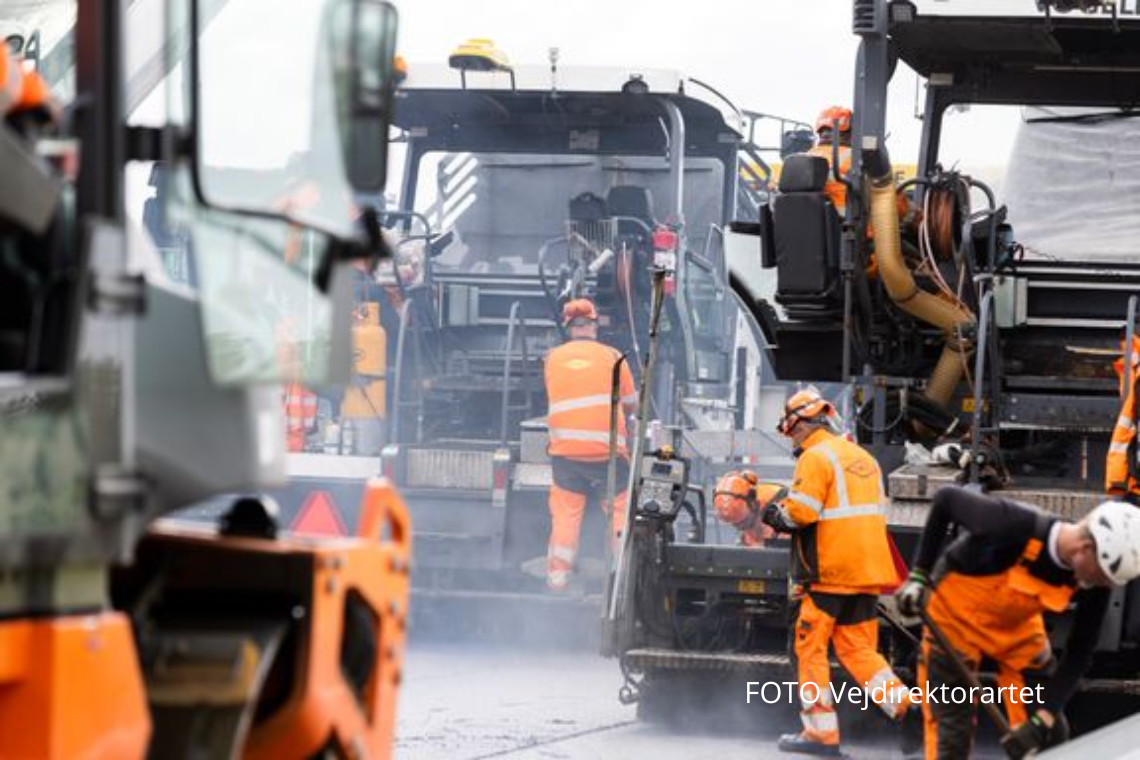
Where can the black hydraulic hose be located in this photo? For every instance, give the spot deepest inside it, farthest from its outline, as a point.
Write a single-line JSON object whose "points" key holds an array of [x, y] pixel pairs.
{"points": [[551, 300]]}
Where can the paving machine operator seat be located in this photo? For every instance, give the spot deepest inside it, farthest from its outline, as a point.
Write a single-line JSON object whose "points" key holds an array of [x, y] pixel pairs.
{"points": [[628, 202], [806, 232]]}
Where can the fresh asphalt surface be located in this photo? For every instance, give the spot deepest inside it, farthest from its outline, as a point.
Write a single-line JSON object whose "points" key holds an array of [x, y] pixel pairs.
{"points": [[467, 701]]}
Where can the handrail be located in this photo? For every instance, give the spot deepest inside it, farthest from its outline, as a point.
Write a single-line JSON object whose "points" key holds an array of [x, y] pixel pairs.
{"points": [[512, 320], [1126, 355], [398, 377], [979, 371]]}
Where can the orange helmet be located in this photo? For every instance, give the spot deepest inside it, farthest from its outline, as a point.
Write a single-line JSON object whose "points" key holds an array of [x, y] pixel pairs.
{"points": [[807, 404], [828, 116], [578, 311], [735, 496]]}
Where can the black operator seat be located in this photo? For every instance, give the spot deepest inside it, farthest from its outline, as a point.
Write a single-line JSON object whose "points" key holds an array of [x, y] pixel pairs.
{"points": [[806, 230], [631, 202]]}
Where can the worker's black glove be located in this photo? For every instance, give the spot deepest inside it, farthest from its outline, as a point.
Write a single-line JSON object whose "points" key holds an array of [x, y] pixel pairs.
{"points": [[911, 598], [774, 518], [1034, 735]]}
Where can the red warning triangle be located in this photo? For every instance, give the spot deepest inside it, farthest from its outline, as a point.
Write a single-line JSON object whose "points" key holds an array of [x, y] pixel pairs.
{"points": [[318, 517]]}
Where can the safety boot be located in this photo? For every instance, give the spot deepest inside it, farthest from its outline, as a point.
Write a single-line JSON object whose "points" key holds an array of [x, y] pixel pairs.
{"points": [[806, 744]]}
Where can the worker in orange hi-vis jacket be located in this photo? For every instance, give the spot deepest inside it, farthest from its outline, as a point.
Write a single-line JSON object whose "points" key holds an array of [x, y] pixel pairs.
{"points": [[841, 554], [579, 380], [1120, 476], [832, 126], [740, 498]]}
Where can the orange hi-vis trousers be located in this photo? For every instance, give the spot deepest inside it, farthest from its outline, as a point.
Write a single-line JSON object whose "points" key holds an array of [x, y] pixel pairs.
{"points": [[574, 483], [849, 622], [982, 616]]}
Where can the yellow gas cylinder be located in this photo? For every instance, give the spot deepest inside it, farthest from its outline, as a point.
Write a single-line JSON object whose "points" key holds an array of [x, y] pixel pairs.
{"points": [[365, 398]]}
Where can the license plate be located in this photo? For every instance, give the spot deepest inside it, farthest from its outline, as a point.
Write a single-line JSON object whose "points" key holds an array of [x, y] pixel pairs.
{"points": [[750, 587]]}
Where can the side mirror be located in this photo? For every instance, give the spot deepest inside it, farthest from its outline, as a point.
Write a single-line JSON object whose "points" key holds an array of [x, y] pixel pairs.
{"points": [[291, 125], [371, 75]]}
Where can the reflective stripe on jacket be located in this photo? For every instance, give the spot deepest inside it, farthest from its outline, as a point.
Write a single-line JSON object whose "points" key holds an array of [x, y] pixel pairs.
{"points": [[838, 501], [579, 375], [1120, 469]]}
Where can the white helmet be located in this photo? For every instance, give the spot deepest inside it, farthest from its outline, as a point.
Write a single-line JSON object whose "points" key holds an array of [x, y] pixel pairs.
{"points": [[1115, 527]]}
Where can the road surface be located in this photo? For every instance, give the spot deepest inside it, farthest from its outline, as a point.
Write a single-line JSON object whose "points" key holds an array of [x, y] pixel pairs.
{"points": [[465, 702]]}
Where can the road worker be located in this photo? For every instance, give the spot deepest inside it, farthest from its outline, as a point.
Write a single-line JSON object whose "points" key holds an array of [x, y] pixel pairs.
{"points": [[579, 385], [300, 402], [827, 123], [740, 498], [988, 590], [1120, 474], [841, 555], [833, 125]]}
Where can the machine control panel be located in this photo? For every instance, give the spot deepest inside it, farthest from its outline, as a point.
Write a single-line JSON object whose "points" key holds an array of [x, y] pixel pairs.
{"points": [[663, 483]]}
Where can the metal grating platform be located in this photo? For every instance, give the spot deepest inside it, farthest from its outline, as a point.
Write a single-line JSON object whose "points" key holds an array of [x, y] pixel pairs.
{"points": [[913, 486]]}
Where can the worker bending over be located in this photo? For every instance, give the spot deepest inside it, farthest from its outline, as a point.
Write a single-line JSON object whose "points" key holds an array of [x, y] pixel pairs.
{"points": [[836, 512], [579, 385], [988, 591], [740, 499]]}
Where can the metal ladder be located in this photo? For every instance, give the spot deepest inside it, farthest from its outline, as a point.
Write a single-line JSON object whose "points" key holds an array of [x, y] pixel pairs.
{"points": [[399, 403], [525, 407]]}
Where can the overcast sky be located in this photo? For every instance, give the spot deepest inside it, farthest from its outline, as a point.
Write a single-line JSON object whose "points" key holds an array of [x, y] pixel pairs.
{"points": [[787, 57], [782, 56]]}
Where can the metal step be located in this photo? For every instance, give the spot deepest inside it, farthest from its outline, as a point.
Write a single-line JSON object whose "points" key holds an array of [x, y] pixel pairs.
{"points": [[640, 660], [913, 486], [1124, 686], [449, 469]]}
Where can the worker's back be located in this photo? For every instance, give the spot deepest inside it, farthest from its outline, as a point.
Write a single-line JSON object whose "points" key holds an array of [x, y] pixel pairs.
{"points": [[850, 539], [579, 380]]}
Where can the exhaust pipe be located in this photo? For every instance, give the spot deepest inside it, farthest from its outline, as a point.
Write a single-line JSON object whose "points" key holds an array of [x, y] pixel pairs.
{"points": [[957, 324]]}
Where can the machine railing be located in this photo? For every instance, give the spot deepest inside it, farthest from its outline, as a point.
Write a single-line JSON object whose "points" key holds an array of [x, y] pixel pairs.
{"points": [[399, 403], [508, 360], [987, 337], [1129, 334]]}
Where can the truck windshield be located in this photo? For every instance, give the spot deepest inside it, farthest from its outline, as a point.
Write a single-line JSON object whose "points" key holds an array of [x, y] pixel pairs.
{"points": [[508, 209]]}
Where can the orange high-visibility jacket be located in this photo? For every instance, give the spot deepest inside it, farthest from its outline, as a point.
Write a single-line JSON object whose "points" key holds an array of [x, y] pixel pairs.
{"points": [[579, 376], [300, 415], [838, 501], [1120, 470], [835, 191]]}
